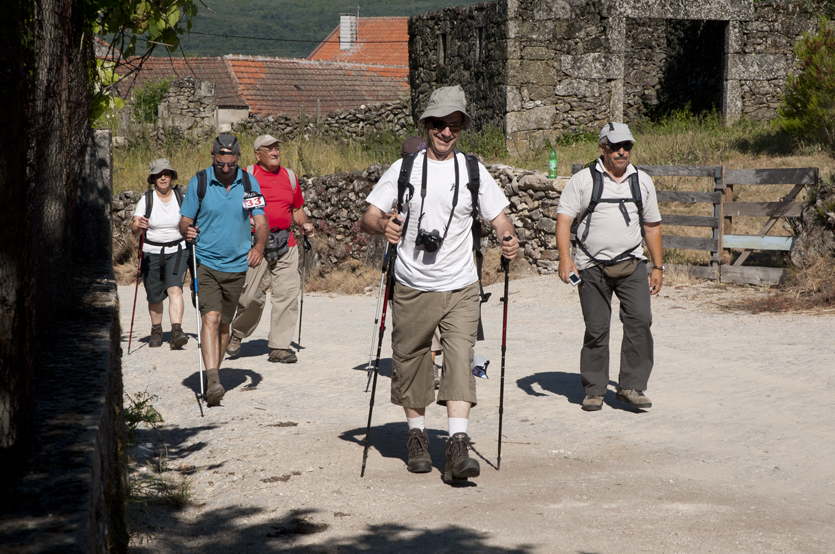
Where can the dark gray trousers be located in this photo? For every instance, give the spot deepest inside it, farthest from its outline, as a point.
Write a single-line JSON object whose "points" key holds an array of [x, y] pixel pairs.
{"points": [[636, 352]]}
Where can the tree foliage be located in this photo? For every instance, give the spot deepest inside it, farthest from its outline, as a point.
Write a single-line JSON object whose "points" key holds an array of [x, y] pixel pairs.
{"points": [[146, 100], [808, 109], [136, 28]]}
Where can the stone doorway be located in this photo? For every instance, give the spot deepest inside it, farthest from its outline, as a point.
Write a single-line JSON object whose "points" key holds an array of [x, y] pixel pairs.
{"points": [[672, 64]]}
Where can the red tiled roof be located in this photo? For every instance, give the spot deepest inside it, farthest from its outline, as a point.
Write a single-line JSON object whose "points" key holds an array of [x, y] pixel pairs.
{"points": [[227, 94], [380, 40], [273, 86]]}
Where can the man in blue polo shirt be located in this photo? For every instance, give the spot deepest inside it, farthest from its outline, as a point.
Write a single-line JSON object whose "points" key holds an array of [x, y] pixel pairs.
{"points": [[224, 250]]}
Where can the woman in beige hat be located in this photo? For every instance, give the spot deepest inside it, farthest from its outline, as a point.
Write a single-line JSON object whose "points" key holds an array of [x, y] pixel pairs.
{"points": [[164, 256]]}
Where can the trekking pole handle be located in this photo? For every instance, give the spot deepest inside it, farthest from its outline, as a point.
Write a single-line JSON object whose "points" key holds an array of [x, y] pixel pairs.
{"points": [[505, 261], [306, 244]]}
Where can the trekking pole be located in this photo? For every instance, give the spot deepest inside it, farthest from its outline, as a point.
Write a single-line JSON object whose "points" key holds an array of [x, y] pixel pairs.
{"points": [[370, 367], [305, 250], [389, 282], [506, 268], [197, 312], [136, 290]]}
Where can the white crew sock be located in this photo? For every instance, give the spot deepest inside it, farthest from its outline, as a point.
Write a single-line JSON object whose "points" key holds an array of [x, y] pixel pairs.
{"points": [[416, 422], [457, 425]]}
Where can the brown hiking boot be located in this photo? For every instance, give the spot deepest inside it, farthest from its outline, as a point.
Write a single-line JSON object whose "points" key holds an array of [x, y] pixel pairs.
{"points": [[635, 398], [418, 445], [178, 339], [592, 402], [156, 336], [214, 390], [279, 355], [459, 465], [234, 347]]}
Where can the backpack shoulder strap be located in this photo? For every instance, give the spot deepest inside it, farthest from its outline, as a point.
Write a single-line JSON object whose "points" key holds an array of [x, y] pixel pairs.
{"points": [[247, 182], [293, 181], [149, 202], [202, 185], [403, 180], [635, 187], [178, 194]]}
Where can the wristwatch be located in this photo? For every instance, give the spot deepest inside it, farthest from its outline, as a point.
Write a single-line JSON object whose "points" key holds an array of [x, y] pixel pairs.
{"points": [[659, 267]]}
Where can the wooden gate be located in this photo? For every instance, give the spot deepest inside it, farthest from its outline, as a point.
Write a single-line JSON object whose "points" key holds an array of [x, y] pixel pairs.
{"points": [[724, 211]]}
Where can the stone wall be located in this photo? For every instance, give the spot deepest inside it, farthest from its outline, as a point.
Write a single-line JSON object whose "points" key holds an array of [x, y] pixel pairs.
{"points": [[335, 204], [188, 109], [570, 66], [462, 46], [356, 124]]}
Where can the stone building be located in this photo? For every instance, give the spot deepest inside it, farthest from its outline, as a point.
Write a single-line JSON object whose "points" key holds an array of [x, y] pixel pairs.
{"points": [[541, 68]]}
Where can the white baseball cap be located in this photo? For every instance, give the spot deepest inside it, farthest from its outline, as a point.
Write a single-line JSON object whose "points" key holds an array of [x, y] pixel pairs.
{"points": [[615, 133]]}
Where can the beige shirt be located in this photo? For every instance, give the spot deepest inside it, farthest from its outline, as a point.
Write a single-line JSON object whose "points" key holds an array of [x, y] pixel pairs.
{"points": [[609, 234]]}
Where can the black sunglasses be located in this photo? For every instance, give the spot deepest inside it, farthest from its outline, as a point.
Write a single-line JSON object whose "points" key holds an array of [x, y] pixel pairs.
{"points": [[627, 146], [440, 125], [221, 165]]}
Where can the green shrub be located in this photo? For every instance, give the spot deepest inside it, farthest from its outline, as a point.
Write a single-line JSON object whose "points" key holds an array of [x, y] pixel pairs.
{"points": [[808, 109], [146, 100]]}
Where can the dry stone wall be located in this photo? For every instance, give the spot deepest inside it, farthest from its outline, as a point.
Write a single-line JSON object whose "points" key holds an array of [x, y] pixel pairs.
{"points": [[335, 204], [356, 124]]}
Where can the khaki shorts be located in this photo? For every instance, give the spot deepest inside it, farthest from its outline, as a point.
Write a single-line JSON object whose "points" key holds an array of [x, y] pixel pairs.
{"points": [[416, 315], [219, 291]]}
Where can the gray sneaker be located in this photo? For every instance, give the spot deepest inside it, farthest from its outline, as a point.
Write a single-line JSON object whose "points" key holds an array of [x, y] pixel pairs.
{"points": [[459, 465], [418, 445], [283, 356], [593, 402], [234, 346], [635, 398]]}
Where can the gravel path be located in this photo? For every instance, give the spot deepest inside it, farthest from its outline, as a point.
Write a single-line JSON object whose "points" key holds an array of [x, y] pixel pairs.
{"points": [[735, 456]]}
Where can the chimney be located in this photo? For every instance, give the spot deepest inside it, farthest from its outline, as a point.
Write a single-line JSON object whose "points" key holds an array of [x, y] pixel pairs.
{"points": [[347, 31]]}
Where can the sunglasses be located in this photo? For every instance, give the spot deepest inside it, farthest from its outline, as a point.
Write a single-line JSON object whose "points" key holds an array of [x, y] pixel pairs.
{"points": [[440, 125], [627, 146], [221, 165]]}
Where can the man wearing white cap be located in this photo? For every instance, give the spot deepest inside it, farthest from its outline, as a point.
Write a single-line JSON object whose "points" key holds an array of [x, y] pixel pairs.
{"points": [[614, 206], [280, 267], [436, 282]]}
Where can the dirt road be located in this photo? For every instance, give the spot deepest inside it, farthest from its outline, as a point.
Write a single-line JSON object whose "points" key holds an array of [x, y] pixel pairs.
{"points": [[737, 454]]}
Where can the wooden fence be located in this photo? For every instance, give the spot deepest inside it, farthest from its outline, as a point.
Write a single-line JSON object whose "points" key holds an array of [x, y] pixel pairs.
{"points": [[725, 209]]}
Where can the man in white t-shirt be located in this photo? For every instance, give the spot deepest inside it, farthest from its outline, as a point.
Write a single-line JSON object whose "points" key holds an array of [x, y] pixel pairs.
{"points": [[436, 282], [609, 258]]}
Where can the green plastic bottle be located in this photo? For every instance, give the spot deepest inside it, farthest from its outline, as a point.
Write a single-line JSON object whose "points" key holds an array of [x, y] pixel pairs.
{"points": [[552, 164]]}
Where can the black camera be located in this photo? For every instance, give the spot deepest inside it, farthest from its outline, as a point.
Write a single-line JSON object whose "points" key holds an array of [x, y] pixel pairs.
{"points": [[430, 241]]}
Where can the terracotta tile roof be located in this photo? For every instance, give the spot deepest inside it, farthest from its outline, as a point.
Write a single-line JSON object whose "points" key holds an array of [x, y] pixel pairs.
{"points": [[380, 40], [279, 86], [227, 94], [273, 86]]}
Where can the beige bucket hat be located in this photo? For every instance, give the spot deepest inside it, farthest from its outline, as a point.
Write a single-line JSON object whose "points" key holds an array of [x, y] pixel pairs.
{"points": [[158, 166], [445, 101]]}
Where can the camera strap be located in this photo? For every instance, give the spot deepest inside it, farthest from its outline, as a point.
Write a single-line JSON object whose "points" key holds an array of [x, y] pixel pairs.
{"points": [[423, 192]]}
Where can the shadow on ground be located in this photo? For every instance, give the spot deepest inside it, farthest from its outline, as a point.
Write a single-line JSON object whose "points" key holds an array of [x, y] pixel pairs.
{"points": [[569, 386], [222, 531], [230, 378]]}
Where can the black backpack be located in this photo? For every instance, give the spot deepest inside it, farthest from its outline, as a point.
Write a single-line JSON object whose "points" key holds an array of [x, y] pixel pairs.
{"points": [[403, 184], [596, 193]]}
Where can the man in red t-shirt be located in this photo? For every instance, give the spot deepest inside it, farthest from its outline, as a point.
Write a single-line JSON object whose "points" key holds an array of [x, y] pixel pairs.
{"points": [[284, 199]]}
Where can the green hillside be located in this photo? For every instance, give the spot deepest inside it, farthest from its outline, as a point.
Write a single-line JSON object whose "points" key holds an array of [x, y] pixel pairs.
{"points": [[284, 21]]}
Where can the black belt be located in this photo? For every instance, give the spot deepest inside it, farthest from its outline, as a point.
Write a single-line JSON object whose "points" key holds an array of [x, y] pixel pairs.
{"points": [[164, 245]]}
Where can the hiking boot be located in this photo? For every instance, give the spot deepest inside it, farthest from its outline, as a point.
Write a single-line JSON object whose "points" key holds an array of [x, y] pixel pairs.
{"points": [[178, 339], [234, 346], [156, 336], [280, 355], [214, 390], [459, 465], [635, 398], [418, 445], [593, 402]]}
